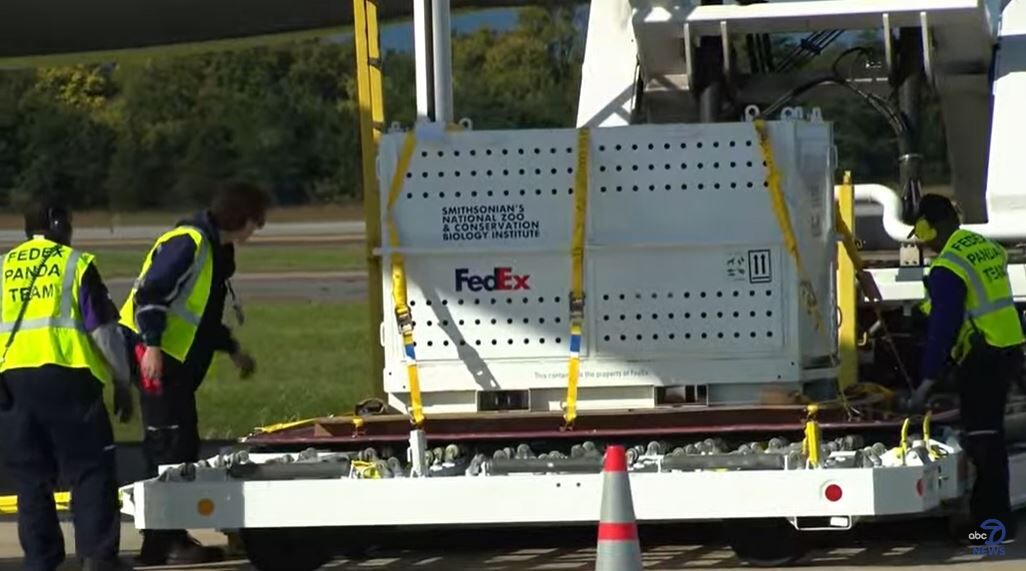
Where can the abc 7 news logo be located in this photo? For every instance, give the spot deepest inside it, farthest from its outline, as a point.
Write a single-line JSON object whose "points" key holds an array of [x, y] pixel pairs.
{"points": [[992, 532]]}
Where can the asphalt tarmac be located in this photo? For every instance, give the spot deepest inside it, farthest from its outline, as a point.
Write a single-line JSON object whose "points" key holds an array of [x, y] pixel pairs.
{"points": [[878, 547]]}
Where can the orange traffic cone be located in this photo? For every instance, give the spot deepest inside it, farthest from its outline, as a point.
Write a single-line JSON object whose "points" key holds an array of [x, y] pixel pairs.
{"points": [[618, 547]]}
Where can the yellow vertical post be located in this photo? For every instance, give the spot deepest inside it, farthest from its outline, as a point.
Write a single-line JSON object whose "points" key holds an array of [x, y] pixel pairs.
{"points": [[846, 293], [372, 118]]}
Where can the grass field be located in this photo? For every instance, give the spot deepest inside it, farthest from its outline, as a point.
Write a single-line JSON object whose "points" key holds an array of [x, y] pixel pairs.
{"points": [[311, 361], [126, 262]]}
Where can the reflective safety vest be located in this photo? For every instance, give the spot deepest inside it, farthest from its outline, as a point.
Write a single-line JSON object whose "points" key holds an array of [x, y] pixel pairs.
{"points": [[52, 330], [187, 302], [989, 308]]}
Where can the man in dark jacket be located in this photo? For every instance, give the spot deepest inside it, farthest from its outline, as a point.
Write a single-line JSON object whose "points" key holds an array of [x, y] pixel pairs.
{"points": [[175, 317]]}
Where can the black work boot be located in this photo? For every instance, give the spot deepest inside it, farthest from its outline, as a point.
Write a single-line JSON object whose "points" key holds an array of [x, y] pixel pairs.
{"points": [[187, 550], [174, 547], [155, 546], [118, 564]]}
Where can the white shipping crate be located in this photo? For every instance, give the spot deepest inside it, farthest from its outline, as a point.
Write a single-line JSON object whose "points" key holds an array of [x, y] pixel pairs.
{"points": [[687, 278]]}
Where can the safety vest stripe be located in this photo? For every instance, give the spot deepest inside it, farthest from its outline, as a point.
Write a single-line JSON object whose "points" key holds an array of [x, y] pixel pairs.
{"points": [[67, 291], [178, 306], [991, 307], [187, 316], [986, 306], [182, 290], [974, 278], [182, 280], [44, 323]]}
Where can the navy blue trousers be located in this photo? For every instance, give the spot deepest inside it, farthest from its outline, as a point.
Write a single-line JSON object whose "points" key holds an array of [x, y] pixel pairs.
{"points": [[983, 383], [58, 432]]}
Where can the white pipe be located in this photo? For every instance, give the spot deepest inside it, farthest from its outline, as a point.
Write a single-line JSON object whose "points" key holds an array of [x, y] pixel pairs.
{"points": [[441, 36], [423, 56], [1008, 227]]}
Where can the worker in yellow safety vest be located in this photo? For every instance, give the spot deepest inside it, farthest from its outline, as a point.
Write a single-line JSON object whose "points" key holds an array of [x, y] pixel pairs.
{"points": [[174, 320], [61, 346], [974, 325]]}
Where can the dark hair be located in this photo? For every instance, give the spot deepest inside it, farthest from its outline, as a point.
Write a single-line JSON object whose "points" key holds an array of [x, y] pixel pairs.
{"points": [[236, 202], [41, 213], [937, 209]]}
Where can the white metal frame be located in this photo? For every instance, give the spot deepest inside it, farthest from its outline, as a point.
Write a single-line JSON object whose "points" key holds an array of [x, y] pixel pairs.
{"points": [[528, 499], [659, 26], [523, 499]]}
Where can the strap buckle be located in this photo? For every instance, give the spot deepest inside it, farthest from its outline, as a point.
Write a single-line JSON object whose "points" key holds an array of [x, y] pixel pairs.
{"points": [[404, 319], [577, 306]]}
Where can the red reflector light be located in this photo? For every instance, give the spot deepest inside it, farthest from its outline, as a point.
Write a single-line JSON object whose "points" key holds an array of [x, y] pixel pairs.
{"points": [[919, 487], [833, 492]]}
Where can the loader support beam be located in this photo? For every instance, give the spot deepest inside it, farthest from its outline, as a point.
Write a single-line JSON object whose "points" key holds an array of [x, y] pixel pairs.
{"points": [[441, 38], [710, 80], [422, 41], [372, 118], [908, 78], [846, 294]]}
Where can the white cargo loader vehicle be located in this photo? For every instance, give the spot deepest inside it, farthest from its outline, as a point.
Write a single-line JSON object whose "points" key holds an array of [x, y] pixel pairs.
{"points": [[669, 275]]}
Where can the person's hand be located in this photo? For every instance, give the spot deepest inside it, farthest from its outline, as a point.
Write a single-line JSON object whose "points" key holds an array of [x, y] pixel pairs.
{"points": [[152, 363], [244, 363], [868, 285], [123, 405]]}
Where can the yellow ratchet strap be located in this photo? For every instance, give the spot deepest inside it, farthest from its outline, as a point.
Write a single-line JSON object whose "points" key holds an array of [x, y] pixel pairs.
{"points": [[849, 241], [784, 220], [810, 445], [847, 237], [367, 470], [284, 426], [807, 293], [403, 316], [577, 274], [930, 448], [903, 447]]}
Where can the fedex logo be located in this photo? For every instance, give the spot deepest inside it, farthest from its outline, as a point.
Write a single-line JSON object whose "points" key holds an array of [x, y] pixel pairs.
{"points": [[503, 279]]}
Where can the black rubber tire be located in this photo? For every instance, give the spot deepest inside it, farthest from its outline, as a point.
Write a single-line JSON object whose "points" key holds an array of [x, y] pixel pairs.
{"points": [[288, 549], [769, 542]]}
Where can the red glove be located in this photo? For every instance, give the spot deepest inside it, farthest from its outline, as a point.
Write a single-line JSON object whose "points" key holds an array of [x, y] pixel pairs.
{"points": [[150, 385]]}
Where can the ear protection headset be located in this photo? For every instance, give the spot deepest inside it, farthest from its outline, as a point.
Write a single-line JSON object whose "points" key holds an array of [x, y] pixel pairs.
{"points": [[924, 231], [58, 222]]}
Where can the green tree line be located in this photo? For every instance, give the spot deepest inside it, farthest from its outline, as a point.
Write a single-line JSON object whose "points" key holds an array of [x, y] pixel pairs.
{"points": [[157, 134]]}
